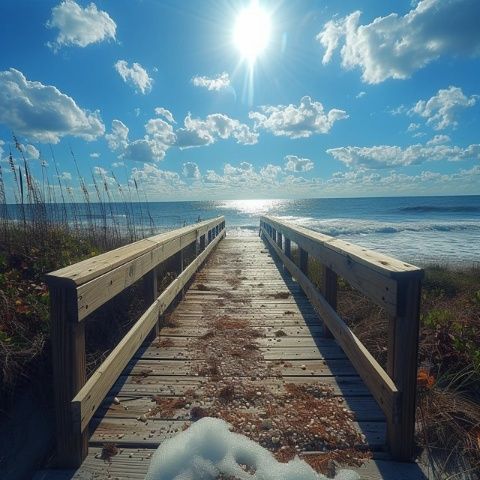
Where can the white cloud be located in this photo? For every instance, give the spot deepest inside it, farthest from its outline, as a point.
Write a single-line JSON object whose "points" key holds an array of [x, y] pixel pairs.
{"points": [[198, 132], [441, 111], [191, 170], [80, 26], [42, 112], [32, 152], [65, 176], [212, 83], [396, 46], [157, 181], [297, 164], [118, 164], [160, 131], [136, 76], [118, 138], [439, 140], [384, 156], [271, 171], [293, 121], [413, 127], [167, 114], [151, 148], [160, 136], [361, 94], [94, 155], [144, 150]]}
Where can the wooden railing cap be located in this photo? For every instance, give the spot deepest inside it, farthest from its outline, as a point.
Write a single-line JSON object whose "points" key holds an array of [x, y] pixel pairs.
{"points": [[379, 262], [86, 270]]}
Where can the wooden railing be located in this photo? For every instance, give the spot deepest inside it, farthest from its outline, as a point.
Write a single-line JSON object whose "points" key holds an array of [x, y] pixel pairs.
{"points": [[392, 284], [78, 290]]}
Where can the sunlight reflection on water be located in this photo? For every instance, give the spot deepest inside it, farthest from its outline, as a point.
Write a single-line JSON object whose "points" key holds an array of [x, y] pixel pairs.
{"points": [[253, 207]]}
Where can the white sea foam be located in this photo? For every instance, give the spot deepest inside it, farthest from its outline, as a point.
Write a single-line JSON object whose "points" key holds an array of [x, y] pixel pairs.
{"points": [[208, 448]]}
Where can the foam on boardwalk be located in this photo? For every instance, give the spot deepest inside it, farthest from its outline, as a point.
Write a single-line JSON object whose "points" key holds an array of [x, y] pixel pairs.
{"points": [[208, 449]]}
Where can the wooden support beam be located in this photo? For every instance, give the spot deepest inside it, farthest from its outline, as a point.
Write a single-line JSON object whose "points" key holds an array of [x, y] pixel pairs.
{"points": [[402, 367], [69, 374], [288, 248], [329, 290], [150, 285], [303, 263]]}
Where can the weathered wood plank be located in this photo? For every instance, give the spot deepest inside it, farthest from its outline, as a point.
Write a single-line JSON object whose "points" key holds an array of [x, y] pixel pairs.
{"points": [[88, 269], [126, 432], [90, 396], [380, 384]]}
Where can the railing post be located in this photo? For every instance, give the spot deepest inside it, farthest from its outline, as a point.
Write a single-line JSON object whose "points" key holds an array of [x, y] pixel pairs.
{"points": [[288, 248], [303, 261], [330, 282], [150, 285], [69, 374], [197, 245], [402, 366]]}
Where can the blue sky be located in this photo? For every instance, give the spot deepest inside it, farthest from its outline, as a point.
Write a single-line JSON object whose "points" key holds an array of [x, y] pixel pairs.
{"points": [[346, 99]]}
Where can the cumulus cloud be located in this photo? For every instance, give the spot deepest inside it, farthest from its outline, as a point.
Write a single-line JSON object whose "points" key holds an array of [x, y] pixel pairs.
{"points": [[413, 127], [151, 148], [384, 156], [271, 171], [80, 26], [395, 46], [441, 111], [136, 76], [167, 114], [42, 112], [65, 176], [94, 155], [363, 181], [361, 94], [197, 132], [160, 131], [144, 150], [154, 179], [118, 138], [216, 83], [191, 170], [297, 164], [160, 136], [439, 140], [32, 152], [304, 120]]}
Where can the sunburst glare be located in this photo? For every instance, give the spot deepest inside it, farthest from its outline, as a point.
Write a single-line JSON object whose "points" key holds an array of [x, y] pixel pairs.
{"points": [[251, 33]]}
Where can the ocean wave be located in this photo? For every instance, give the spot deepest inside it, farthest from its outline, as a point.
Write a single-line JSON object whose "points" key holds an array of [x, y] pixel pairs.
{"points": [[443, 208], [342, 227]]}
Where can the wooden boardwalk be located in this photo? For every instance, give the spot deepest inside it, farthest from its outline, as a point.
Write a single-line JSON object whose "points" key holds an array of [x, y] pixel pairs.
{"points": [[240, 282]]}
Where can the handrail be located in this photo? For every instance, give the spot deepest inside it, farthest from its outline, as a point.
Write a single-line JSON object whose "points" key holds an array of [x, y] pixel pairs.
{"points": [[78, 290], [392, 284]]}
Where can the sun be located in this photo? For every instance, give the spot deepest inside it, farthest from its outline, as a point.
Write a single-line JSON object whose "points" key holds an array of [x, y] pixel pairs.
{"points": [[251, 34]]}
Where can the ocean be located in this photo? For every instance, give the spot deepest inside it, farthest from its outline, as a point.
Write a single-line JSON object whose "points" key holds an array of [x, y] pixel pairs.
{"points": [[421, 230]]}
